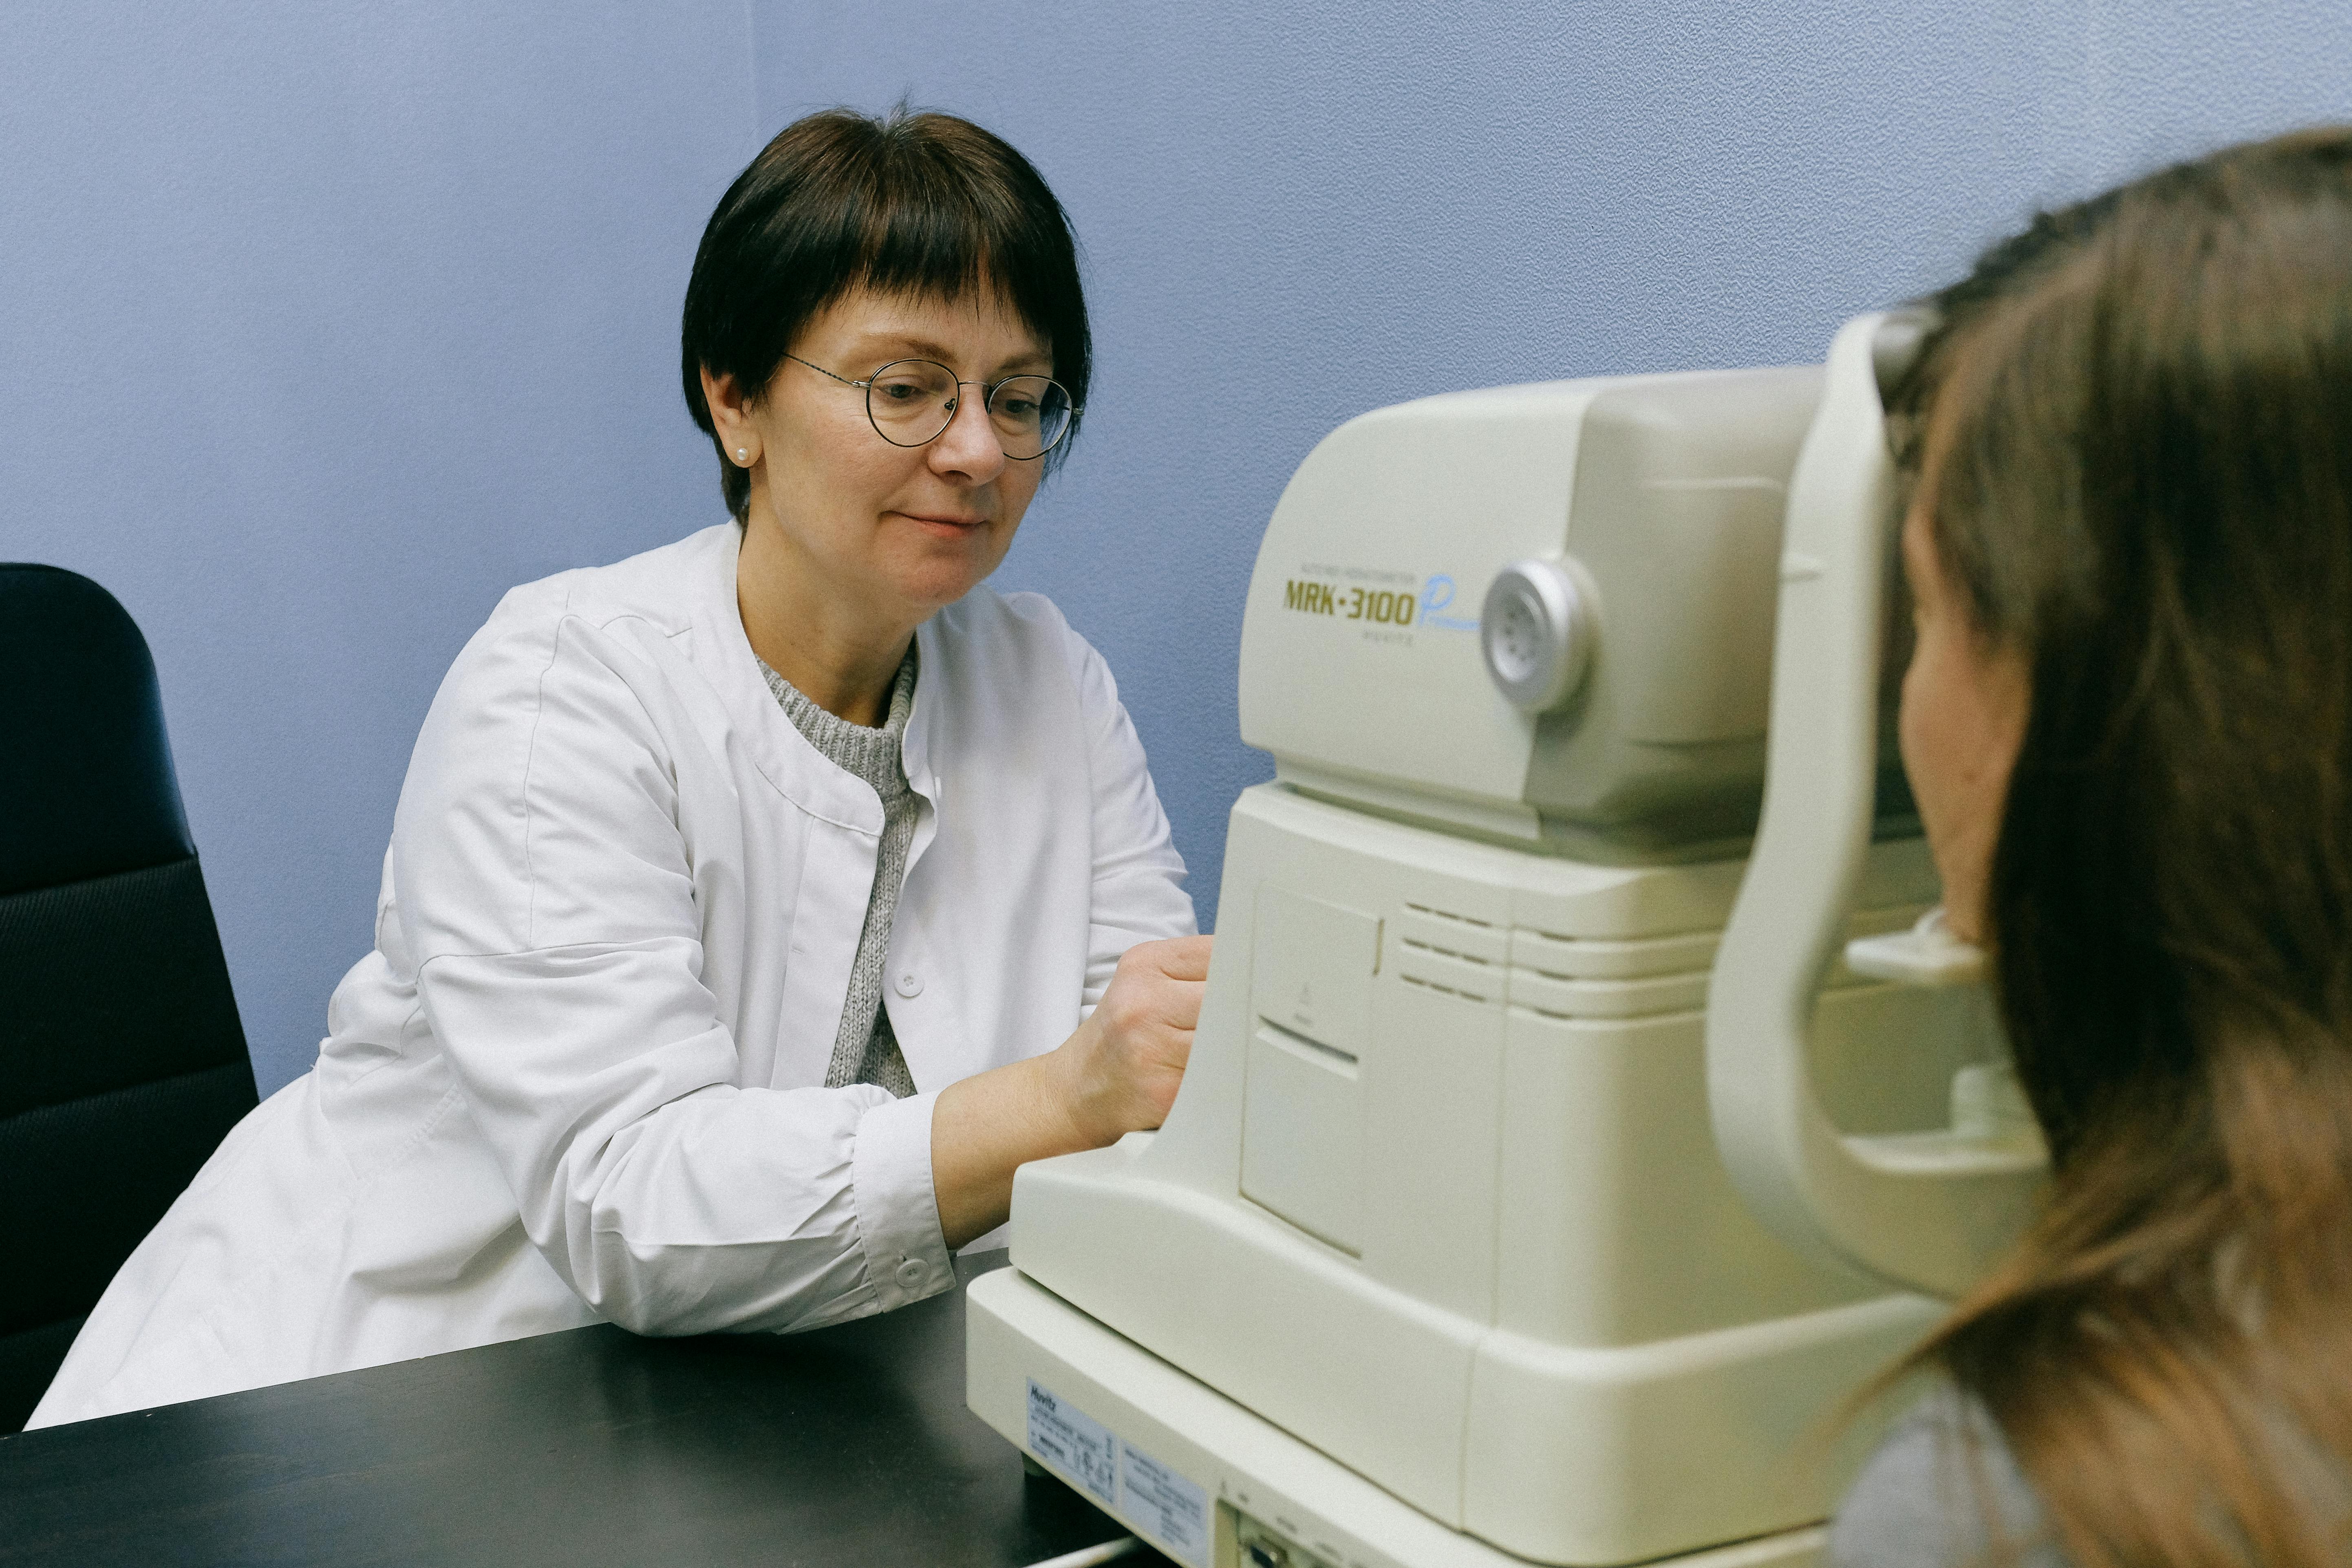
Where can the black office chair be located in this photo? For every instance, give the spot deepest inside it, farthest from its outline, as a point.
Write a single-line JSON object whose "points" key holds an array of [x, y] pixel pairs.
{"points": [[122, 1060]]}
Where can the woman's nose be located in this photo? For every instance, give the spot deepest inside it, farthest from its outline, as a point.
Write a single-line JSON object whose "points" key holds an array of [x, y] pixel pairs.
{"points": [[969, 444]]}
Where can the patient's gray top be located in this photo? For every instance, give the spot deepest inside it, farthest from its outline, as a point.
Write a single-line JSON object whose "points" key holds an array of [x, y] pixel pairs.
{"points": [[1931, 1494], [865, 1049], [1922, 1499]]}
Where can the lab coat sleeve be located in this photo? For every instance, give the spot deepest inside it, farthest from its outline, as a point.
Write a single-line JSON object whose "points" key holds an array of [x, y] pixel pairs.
{"points": [[1138, 877], [546, 896]]}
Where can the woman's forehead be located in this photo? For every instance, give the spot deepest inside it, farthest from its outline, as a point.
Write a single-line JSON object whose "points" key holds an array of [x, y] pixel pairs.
{"points": [[981, 321]]}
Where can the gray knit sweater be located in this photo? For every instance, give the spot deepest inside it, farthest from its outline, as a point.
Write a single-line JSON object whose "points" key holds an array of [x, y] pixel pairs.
{"points": [[866, 1050]]}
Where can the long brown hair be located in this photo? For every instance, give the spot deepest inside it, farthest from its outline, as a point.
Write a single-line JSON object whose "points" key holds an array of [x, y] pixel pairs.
{"points": [[2136, 457]]}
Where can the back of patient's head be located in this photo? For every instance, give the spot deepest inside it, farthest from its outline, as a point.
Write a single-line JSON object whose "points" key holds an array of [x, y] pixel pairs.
{"points": [[2132, 443]]}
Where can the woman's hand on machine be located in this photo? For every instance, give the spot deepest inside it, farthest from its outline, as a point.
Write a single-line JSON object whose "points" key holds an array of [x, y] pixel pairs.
{"points": [[1126, 1062], [1118, 1074]]}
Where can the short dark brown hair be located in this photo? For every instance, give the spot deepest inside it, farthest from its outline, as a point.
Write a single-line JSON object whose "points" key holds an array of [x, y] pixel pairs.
{"points": [[921, 204]]}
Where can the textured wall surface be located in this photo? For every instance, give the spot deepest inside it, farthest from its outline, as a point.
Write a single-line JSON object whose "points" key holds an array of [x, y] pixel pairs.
{"points": [[323, 324], [1294, 213]]}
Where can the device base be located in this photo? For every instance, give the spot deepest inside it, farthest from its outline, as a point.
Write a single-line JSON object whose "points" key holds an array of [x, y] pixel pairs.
{"points": [[1198, 1475]]}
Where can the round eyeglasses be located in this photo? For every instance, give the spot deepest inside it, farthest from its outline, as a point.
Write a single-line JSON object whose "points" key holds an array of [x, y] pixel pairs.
{"points": [[912, 402]]}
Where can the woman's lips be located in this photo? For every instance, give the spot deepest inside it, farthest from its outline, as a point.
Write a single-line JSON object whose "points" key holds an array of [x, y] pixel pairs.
{"points": [[942, 521]]}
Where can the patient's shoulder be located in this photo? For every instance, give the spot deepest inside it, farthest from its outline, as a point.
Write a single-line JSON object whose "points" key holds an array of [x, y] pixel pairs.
{"points": [[1942, 1490]]}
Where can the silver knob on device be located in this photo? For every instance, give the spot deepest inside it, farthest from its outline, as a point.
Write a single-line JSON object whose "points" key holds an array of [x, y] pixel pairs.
{"points": [[1536, 630]]}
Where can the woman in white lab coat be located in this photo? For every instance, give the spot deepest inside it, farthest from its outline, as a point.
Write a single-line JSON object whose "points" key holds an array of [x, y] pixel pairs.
{"points": [[754, 906]]}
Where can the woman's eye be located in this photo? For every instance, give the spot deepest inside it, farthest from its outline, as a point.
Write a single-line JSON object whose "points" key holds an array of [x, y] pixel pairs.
{"points": [[898, 391], [1017, 407]]}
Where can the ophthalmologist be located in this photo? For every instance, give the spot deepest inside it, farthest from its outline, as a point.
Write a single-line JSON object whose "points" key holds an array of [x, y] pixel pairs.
{"points": [[754, 906]]}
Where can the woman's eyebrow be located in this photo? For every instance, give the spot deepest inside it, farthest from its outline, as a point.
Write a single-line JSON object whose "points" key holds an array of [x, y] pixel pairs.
{"points": [[924, 348]]}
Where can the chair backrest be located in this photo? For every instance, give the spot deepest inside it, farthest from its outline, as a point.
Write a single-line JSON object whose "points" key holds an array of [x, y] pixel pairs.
{"points": [[123, 1063]]}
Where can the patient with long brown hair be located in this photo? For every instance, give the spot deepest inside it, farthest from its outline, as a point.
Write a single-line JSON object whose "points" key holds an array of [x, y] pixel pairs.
{"points": [[2128, 723]]}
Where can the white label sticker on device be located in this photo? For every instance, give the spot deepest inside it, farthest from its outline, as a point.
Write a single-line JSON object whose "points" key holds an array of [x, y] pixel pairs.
{"points": [[1164, 1504], [1073, 1442]]}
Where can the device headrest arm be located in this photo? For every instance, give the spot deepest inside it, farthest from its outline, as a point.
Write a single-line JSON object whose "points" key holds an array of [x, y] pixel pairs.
{"points": [[1928, 1211]]}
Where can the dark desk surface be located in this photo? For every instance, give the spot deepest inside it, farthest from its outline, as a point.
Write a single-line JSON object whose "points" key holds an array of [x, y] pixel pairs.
{"points": [[847, 1446]]}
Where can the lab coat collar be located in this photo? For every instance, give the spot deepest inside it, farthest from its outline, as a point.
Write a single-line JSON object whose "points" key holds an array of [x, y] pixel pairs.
{"points": [[801, 773], [916, 745], [918, 742]]}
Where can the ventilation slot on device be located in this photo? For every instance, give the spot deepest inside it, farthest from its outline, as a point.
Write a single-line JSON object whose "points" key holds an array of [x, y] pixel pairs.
{"points": [[1444, 990]]}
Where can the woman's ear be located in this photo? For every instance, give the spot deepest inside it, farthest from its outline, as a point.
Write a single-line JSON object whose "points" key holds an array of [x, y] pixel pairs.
{"points": [[730, 417]]}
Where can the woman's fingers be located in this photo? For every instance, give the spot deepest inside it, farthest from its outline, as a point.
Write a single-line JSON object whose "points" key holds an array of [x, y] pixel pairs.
{"points": [[1159, 986], [1181, 957], [1147, 1018]]}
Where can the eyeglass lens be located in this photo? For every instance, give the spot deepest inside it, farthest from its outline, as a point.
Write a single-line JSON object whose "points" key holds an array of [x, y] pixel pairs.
{"points": [[912, 401]]}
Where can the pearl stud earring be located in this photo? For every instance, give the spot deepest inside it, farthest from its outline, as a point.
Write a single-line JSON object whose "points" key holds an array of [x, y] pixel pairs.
{"points": [[742, 454]]}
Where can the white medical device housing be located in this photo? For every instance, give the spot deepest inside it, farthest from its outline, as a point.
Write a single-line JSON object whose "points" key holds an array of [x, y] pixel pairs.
{"points": [[1439, 1258]]}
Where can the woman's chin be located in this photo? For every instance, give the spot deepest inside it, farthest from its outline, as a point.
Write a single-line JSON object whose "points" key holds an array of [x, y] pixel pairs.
{"points": [[935, 586], [947, 570]]}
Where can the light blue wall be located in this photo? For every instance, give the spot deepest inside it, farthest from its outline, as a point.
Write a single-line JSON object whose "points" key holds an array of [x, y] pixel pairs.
{"points": [[1296, 212], [320, 325]]}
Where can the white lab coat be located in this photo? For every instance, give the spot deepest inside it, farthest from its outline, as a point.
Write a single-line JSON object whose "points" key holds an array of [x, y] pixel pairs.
{"points": [[581, 1077]]}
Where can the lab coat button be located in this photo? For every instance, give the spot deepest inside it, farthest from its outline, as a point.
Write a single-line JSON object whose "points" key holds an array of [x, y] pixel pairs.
{"points": [[911, 1273], [909, 984]]}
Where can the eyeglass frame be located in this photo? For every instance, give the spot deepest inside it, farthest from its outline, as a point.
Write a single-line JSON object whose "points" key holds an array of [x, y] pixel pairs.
{"points": [[988, 395]]}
